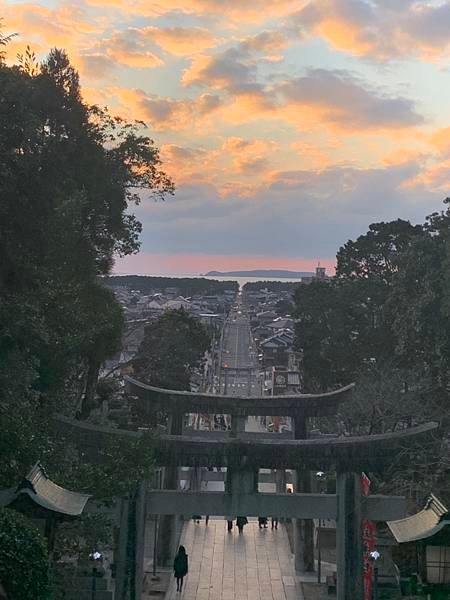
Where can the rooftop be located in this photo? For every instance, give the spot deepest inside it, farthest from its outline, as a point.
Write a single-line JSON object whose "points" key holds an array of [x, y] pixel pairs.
{"points": [[42, 491], [424, 524]]}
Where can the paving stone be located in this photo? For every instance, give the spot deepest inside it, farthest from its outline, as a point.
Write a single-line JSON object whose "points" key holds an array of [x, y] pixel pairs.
{"points": [[227, 566]]}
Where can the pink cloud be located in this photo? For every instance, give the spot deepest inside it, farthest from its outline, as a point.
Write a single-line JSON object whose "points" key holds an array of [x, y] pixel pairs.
{"points": [[147, 263]]}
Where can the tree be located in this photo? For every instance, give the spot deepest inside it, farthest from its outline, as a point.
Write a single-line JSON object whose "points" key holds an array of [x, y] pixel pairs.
{"points": [[69, 172], [339, 329], [4, 40], [104, 338], [343, 325], [173, 346], [384, 322], [23, 558], [377, 254]]}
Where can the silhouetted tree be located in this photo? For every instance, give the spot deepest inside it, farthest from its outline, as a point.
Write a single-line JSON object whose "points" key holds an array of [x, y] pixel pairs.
{"points": [[69, 172], [173, 346]]}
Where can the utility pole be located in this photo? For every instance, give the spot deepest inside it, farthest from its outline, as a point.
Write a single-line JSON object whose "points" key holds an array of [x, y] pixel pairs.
{"points": [[222, 334], [225, 388]]}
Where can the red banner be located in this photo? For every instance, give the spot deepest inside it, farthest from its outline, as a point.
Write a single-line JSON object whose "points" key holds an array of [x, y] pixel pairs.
{"points": [[368, 535]]}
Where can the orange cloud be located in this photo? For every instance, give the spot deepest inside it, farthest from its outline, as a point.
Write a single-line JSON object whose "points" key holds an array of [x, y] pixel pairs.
{"points": [[159, 112], [402, 156], [343, 35], [251, 165], [187, 165], [434, 177], [344, 103], [249, 157], [180, 41], [63, 26], [227, 70], [311, 155], [254, 146], [255, 12], [440, 139], [266, 42], [382, 30]]}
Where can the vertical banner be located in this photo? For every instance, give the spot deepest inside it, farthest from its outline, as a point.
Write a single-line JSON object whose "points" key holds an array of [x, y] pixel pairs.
{"points": [[368, 535]]}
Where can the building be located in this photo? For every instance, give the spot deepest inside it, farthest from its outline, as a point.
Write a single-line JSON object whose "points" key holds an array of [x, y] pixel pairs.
{"points": [[275, 349], [423, 549]]}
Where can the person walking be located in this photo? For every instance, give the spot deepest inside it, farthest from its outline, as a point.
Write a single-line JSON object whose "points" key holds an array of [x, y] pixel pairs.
{"points": [[240, 522], [180, 567], [229, 521], [262, 522], [274, 522]]}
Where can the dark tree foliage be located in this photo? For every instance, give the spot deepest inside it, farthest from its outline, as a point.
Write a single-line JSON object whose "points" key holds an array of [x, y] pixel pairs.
{"points": [[343, 325], [384, 322], [339, 330], [173, 346], [68, 173], [377, 254], [4, 40], [284, 307], [186, 286], [23, 558]]}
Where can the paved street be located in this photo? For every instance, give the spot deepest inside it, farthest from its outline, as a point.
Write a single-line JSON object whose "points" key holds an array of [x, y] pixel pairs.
{"points": [[227, 566], [239, 365], [257, 565]]}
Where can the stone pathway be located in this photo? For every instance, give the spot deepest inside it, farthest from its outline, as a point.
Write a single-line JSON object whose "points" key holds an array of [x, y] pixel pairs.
{"points": [[257, 565]]}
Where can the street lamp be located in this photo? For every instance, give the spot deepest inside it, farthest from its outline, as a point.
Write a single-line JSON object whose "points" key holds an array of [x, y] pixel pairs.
{"points": [[96, 558], [374, 556], [320, 477]]}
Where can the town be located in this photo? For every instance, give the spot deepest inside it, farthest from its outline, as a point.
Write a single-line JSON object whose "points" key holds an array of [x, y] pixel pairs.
{"points": [[224, 300]]}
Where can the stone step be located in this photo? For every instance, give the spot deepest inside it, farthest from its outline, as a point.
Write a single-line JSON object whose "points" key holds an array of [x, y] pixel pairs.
{"points": [[87, 595], [118, 412], [85, 583]]}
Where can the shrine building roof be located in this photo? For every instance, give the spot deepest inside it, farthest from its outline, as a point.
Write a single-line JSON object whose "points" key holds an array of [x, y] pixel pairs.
{"points": [[37, 487], [424, 524]]}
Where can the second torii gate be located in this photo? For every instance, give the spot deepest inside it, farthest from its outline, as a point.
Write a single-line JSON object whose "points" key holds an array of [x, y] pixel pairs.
{"points": [[244, 456]]}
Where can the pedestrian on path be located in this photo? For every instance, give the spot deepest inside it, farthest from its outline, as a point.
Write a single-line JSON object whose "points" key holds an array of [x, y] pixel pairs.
{"points": [[229, 521], [180, 567], [240, 522], [262, 522], [274, 522]]}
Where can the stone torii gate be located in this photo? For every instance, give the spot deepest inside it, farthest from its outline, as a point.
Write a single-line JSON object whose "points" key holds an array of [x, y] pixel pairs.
{"points": [[244, 454], [299, 407]]}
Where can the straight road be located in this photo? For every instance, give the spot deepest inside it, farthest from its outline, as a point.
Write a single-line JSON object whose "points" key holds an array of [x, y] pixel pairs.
{"points": [[239, 366], [257, 565]]}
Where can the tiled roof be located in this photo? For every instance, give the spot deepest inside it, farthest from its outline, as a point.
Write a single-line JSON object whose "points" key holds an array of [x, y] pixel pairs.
{"points": [[423, 524], [44, 492]]}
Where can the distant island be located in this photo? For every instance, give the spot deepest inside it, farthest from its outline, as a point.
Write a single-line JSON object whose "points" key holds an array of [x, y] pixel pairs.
{"points": [[272, 273]]}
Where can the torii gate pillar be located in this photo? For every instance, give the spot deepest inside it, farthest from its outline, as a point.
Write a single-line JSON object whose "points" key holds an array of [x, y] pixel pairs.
{"points": [[168, 523], [303, 529], [349, 549]]}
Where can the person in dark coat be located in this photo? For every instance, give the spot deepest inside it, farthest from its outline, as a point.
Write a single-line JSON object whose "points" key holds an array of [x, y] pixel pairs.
{"points": [[180, 567], [240, 522], [262, 522]]}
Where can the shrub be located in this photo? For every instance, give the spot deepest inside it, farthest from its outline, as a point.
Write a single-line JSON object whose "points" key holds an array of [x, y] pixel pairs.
{"points": [[23, 558]]}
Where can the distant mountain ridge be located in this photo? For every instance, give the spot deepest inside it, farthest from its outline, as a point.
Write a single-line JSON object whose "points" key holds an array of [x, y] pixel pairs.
{"points": [[261, 273]]}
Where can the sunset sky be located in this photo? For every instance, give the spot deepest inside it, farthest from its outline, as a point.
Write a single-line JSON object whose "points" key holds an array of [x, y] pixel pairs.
{"points": [[287, 126]]}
